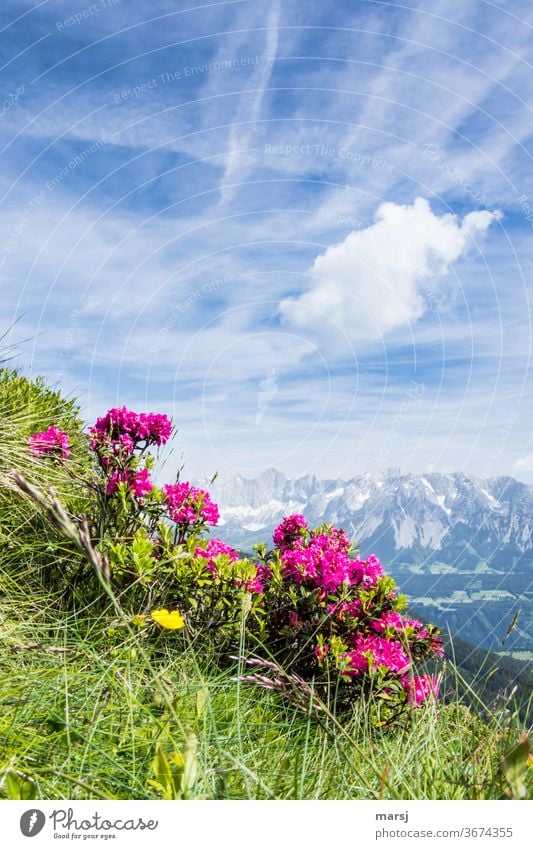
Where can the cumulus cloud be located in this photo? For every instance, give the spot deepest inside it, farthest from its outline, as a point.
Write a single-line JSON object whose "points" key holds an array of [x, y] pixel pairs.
{"points": [[376, 279]]}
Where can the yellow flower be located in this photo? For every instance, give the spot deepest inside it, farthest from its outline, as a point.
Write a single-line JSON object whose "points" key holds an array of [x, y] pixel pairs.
{"points": [[168, 619], [138, 619]]}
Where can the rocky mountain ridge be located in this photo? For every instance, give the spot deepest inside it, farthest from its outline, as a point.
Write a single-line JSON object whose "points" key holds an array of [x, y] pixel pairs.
{"points": [[460, 547]]}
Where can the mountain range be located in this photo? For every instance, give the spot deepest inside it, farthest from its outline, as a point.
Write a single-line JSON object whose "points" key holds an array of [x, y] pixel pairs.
{"points": [[460, 547]]}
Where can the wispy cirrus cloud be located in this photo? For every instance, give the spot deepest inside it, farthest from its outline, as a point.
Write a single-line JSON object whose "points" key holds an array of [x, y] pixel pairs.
{"points": [[255, 144]]}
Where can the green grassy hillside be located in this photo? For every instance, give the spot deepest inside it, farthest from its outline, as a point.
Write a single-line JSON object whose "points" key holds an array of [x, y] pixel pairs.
{"points": [[91, 708]]}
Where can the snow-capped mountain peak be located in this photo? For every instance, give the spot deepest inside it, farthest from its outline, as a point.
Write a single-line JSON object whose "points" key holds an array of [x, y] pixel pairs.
{"points": [[389, 511]]}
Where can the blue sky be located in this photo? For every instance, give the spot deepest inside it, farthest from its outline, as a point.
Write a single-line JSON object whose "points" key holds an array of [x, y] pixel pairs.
{"points": [[303, 230]]}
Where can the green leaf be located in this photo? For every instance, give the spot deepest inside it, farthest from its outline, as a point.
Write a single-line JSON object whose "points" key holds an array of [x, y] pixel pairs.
{"points": [[515, 766], [202, 696], [177, 759], [162, 771], [191, 767], [18, 787], [162, 791], [511, 627]]}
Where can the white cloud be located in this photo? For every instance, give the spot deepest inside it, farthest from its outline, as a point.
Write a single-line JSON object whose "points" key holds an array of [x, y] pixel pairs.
{"points": [[524, 464], [240, 136], [373, 281]]}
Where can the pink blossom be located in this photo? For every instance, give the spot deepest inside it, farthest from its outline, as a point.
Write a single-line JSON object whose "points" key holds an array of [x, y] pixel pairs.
{"points": [[139, 427], [320, 652], [322, 562], [138, 482], [422, 633], [322, 559], [215, 548], [354, 662], [289, 532], [125, 443], [115, 478], [437, 645], [264, 572], [159, 427], [294, 619], [389, 619], [382, 652], [392, 619], [341, 609], [367, 572], [420, 688], [189, 505], [52, 441], [299, 565], [413, 623], [141, 483], [254, 585], [336, 539]]}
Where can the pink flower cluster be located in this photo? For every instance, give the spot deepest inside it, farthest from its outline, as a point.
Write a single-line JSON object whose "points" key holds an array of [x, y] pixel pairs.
{"points": [[373, 635], [340, 600], [322, 560], [371, 651], [341, 609], [127, 428], [257, 583], [374, 651], [114, 438], [289, 532], [215, 548], [367, 572], [138, 482], [419, 688], [52, 441], [392, 620], [121, 432], [188, 504]]}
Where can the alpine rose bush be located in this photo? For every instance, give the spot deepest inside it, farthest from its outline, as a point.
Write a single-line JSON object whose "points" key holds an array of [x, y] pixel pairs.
{"points": [[339, 618], [154, 538], [311, 602]]}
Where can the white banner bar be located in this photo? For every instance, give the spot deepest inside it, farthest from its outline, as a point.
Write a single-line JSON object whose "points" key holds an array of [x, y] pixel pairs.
{"points": [[267, 825]]}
